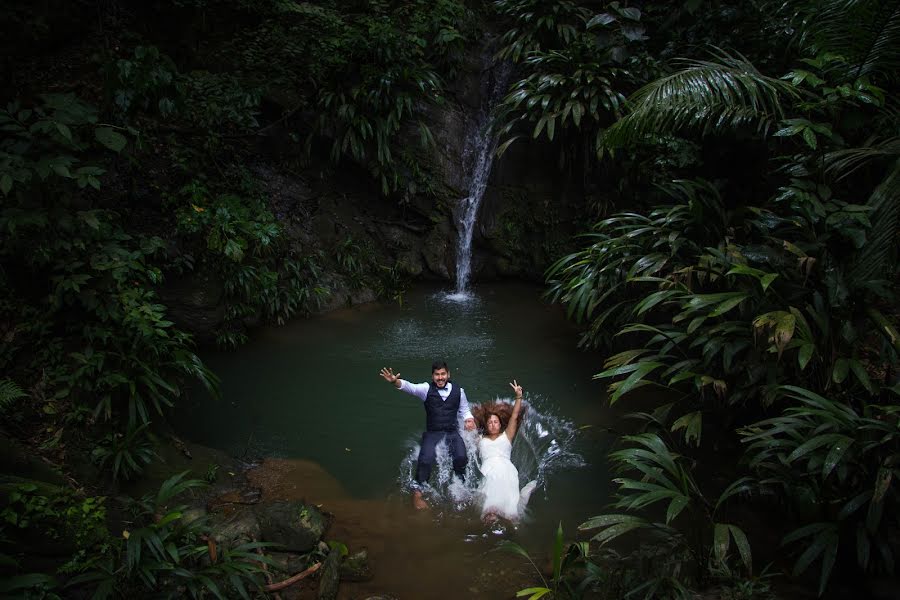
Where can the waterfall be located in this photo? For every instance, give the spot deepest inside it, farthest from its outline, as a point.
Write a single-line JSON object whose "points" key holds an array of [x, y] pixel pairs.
{"points": [[479, 155]]}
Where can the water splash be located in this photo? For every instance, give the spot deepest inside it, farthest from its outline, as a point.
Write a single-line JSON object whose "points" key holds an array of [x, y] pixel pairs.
{"points": [[543, 446], [479, 152]]}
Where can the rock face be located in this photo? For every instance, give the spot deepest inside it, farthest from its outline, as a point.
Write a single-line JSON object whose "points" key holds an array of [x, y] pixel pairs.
{"points": [[195, 303], [297, 526], [17, 465], [337, 218]]}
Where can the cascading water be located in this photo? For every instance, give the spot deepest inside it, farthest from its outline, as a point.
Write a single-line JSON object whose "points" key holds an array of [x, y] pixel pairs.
{"points": [[543, 446], [479, 153]]}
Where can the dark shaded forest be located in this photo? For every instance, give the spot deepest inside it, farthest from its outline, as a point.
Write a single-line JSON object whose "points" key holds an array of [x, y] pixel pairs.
{"points": [[175, 173]]}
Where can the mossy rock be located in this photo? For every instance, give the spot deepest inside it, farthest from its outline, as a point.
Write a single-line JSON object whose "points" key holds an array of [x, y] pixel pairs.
{"points": [[297, 526], [242, 527], [356, 567]]}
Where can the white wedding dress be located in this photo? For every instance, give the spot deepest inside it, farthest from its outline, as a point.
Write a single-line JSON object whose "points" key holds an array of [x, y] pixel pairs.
{"points": [[499, 491]]}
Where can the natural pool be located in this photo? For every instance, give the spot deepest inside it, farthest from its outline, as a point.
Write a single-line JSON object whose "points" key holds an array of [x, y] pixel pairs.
{"points": [[308, 397]]}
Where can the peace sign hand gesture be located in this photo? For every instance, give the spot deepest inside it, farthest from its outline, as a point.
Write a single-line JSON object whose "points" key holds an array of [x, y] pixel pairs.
{"points": [[516, 388]]}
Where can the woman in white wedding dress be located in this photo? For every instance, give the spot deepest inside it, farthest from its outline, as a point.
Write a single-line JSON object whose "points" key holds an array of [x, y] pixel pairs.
{"points": [[499, 491]]}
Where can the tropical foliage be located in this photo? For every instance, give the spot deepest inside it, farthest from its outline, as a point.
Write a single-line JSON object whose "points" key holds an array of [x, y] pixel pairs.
{"points": [[576, 66], [163, 551], [741, 160], [762, 317], [144, 156]]}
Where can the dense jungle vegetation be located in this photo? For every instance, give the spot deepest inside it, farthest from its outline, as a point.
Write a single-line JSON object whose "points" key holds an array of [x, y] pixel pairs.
{"points": [[740, 160]]}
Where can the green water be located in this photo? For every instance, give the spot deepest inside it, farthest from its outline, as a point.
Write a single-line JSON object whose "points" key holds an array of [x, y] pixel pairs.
{"points": [[311, 389]]}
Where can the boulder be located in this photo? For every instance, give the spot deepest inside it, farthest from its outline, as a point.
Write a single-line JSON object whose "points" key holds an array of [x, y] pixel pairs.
{"points": [[17, 462], [288, 564], [240, 528], [297, 526], [193, 514], [225, 498]]}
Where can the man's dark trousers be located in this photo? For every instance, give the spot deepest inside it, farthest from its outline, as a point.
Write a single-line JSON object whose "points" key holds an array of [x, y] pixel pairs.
{"points": [[427, 455]]}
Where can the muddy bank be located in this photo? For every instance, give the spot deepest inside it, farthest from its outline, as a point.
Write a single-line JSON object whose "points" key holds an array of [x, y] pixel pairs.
{"points": [[412, 554]]}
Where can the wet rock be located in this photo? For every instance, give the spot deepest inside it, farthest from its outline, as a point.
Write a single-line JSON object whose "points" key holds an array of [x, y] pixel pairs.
{"points": [[246, 496], [195, 303], [356, 567], [16, 460], [330, 576], [410, 263], [450, 124], [240, 528], [193, 514], [297, 526], [439, 249], [289, 564]]}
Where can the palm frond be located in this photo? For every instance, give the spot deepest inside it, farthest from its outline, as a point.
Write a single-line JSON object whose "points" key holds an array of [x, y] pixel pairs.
{"points": [[880, 247], [865, 33], [843, 163], [706, 98]]}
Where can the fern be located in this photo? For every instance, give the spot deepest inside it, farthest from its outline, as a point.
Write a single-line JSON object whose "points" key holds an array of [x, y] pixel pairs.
{"points": [[9, 393]]}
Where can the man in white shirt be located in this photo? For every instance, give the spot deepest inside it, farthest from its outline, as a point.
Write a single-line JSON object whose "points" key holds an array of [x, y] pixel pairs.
{"points": [[444, 402]]}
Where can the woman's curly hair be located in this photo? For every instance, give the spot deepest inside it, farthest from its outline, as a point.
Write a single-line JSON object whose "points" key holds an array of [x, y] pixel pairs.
{"points": [[503, 410]]}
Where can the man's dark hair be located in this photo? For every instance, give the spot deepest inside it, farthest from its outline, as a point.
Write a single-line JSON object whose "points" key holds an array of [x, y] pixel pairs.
{"points": [[439, 364]]}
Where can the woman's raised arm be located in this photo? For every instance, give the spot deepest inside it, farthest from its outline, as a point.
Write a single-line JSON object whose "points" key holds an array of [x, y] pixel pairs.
{"points": [[513, 425]]}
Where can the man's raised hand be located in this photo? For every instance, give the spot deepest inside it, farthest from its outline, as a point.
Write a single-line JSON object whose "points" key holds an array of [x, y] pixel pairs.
{"points": [[388, 375]]}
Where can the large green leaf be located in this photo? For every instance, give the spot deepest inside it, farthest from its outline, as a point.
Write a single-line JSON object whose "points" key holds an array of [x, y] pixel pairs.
{"points": [[110, 138], [634, 379], [835, 455], [557, 552], [836, 440], [721, 541], [533, 593], [743, 545], [692, 423], [779, 327]]}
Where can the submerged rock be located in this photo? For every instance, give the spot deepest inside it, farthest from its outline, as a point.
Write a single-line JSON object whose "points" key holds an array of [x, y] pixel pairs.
{"points": [[297, 526], [356, 567]]}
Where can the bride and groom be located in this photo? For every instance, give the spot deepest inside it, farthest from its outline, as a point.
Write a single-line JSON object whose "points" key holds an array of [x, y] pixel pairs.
{"points": [[444, 402]]}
